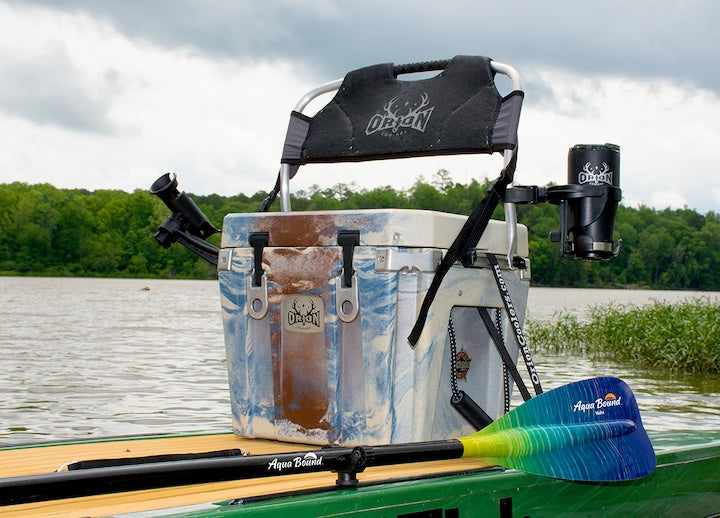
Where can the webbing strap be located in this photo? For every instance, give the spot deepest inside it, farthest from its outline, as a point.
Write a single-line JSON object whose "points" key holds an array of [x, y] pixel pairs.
{"points": [[504, 354], [515, 323], [467, 239]]}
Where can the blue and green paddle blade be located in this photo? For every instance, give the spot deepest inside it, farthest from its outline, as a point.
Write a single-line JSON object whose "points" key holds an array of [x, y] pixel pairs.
{"points": [[587, 431]]}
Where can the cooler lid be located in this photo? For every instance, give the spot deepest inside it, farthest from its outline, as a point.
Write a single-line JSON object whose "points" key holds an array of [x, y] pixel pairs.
{"points": [[377, 227]]}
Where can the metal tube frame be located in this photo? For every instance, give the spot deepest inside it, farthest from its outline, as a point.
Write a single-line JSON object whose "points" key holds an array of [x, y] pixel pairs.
{"points": [[510, 211], [299, 107]]}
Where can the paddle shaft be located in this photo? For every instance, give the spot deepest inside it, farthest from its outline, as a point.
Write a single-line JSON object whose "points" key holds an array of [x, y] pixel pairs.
{"points": [[589, 430], [117, 479]]}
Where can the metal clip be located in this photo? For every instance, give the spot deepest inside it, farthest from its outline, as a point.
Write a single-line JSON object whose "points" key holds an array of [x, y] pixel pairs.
{"points": [[257, 297], [390, 260], [225, 259], [346, 299]]}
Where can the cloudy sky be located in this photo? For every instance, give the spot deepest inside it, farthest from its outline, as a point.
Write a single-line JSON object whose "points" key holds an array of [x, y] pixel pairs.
{"points": [[110, 94]]}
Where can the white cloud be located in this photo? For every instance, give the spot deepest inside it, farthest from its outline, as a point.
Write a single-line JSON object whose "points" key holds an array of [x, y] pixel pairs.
{"points": [[47, 88], [84, 105], [666, 132], [668, 199], [217, 123]]}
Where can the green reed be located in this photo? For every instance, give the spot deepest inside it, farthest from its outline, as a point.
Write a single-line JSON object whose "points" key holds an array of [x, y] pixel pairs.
{"points": [[684, 336]]}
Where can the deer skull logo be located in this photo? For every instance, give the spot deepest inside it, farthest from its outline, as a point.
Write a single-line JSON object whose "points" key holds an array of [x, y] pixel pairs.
{"points": [[303, 314], [400, 114], [595, 175]]}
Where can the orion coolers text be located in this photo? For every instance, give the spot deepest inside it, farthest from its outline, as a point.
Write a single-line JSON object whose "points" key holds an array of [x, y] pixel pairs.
{"points": [[306, 461], [303, 314], [401, 114]]}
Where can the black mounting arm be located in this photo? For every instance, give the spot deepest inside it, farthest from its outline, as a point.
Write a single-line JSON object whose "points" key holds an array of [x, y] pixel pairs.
{"points": [[587, 216], [187, 224]]}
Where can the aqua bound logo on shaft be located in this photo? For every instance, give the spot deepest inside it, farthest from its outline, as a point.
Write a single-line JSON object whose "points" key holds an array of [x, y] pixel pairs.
{"points": [[308, 460]]}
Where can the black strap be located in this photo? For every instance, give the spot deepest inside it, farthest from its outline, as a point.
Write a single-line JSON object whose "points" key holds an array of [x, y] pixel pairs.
{"points": [[131, 461], [467, 239], [515, 323], [504, 354], [265, 205]]}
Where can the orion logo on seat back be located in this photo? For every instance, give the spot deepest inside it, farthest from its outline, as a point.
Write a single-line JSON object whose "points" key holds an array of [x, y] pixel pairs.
{"points": [[400, 114]]}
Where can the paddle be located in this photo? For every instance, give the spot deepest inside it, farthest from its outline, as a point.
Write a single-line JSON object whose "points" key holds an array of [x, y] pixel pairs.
{"points": [[585, 431]]}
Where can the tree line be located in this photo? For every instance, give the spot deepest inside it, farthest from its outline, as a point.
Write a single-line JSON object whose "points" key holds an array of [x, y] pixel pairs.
{"points": [[74, 232]]}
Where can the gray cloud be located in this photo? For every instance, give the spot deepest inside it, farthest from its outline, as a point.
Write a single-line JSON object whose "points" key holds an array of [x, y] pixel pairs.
{"points": [[48, 88], [675, 40]]}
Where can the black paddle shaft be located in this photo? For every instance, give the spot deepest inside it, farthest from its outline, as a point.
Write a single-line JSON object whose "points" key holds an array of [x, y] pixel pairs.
{"points": [[117, 479]]}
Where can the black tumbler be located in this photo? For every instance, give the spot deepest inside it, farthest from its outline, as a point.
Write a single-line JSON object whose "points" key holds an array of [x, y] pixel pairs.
{"points": [[591, 219]]}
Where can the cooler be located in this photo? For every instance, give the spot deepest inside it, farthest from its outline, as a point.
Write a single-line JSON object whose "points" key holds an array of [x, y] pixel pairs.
{"points": [[317, 307]]}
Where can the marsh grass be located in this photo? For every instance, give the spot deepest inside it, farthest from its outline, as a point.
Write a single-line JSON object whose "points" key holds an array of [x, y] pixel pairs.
{"points": [[682, 337]]}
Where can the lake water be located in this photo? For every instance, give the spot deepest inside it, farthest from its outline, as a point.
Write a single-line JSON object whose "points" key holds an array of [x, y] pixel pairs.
{"points": [[91, 358]]}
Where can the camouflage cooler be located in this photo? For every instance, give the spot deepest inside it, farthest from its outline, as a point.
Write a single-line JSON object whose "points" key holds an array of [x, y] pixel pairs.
{"points": [[317, 307]]}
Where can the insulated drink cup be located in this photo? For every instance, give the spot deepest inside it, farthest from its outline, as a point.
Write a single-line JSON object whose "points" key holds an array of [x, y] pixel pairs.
{"points": [[591, 218]]}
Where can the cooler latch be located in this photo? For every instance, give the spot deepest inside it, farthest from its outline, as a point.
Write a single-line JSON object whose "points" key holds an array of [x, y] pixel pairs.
{"points": [[256, 285], [346, 294], [258, 240], [348, 240]]}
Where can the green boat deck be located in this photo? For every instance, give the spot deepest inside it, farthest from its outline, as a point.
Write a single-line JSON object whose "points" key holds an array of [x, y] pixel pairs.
{"points": [[686, 483]]}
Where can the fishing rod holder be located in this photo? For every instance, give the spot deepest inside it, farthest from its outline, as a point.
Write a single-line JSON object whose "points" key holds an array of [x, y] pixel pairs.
{"points": [[588, 203], [187, 224]]}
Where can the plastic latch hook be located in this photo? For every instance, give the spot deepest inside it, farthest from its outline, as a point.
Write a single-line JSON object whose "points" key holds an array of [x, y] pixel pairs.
{"points": [[348, 240], [258, 240]]}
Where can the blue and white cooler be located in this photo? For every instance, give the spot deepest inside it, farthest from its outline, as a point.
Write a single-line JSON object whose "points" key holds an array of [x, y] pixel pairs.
{"points": [[313, 360]]}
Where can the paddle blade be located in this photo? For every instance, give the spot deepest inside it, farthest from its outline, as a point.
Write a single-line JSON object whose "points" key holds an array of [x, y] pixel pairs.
{"points": [[587, 431]]}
